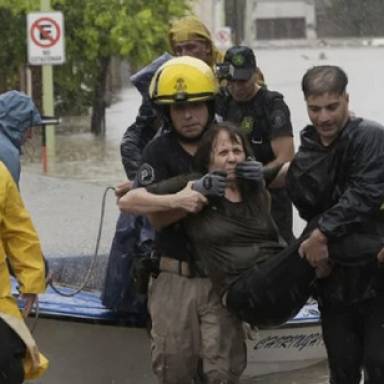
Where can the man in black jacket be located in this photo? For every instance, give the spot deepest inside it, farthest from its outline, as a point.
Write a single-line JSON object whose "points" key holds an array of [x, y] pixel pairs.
{"points": [[338, 176]]}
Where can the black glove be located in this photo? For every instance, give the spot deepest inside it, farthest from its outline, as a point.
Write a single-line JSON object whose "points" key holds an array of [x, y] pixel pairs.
{"points": [[211, 184], [251, 170]]}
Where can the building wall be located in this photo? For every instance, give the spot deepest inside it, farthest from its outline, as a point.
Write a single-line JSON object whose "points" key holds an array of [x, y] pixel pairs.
{"points": [[288, 8], [276, 16], [210, 12]]}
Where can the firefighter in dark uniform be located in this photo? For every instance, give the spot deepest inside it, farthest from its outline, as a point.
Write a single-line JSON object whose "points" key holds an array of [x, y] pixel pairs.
{"points": [[187, 36], [264, 118], [189, 322]]}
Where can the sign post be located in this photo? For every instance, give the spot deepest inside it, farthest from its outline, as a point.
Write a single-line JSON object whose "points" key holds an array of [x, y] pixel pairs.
{"points": [[45, 31]]}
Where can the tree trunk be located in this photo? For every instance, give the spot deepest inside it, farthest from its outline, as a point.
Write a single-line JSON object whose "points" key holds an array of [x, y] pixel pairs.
{"points": [[234, 17], [99, 102]]}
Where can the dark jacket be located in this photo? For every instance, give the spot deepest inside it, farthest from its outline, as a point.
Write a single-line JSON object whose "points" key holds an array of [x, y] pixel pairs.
{"points": [[145, 126], [343, 184], [136, 137]]}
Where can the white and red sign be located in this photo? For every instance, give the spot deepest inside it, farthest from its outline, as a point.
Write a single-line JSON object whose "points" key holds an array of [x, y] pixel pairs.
{"points": [[45, 32], [223, 37]]}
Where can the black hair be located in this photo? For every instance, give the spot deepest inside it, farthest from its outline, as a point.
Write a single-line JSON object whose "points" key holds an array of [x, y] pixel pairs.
{"points": [[324, 79], [203, 154]]}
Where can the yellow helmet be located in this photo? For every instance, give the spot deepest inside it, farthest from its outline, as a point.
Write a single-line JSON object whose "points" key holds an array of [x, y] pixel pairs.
{"points": [[183, 79]]}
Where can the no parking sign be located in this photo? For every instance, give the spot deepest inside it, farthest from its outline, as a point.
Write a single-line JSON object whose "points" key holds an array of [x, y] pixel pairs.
{"points": [[45, 34], [223, 37]]}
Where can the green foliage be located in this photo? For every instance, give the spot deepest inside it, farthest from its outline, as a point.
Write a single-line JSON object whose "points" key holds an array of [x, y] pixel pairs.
{"points": [[12, 44], [12, 51], [95, 30]]}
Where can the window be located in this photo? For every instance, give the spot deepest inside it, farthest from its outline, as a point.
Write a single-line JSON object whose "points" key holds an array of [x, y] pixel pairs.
{"points": [[280, 28]]}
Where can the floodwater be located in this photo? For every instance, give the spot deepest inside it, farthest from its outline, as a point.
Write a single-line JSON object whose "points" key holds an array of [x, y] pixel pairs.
{"points": [[83, 157]]}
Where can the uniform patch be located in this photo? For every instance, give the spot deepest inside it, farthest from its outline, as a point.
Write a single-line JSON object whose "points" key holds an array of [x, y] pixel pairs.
{"points": [[238, 60], [247, 125], [146, 174], [279, 119]]}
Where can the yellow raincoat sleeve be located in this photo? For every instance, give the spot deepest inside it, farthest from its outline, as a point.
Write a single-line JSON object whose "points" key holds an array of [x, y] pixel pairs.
{"points": [[19, 240]]}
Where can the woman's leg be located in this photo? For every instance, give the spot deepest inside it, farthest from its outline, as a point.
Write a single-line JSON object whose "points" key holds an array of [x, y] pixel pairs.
{"points": [[273, 291]]}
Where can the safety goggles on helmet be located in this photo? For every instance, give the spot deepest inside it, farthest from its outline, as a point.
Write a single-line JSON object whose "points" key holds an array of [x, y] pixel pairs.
{"points": [[183, 79]]}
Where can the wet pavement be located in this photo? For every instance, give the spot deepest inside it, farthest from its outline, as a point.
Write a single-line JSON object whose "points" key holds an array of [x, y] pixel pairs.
{"points": [[66, 204]]}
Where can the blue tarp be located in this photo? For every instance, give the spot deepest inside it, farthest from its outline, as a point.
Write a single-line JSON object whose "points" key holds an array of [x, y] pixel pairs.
{"points": [[86, 306]]}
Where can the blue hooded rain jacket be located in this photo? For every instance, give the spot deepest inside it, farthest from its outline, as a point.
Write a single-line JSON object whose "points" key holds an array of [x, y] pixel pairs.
{"points": [[17, 114]]}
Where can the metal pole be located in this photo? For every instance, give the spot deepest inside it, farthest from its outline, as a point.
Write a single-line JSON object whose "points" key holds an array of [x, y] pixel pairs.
{"points": [[235, 23], [48, 150], [248, 23]]}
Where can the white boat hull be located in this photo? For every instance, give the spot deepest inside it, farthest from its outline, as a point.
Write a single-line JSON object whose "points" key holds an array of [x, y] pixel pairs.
{"points": [[83, 347], [285, 349]]}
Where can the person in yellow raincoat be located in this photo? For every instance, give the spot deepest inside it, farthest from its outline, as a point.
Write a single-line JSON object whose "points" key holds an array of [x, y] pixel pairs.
{"points": [[20, 250], [188, 36]]}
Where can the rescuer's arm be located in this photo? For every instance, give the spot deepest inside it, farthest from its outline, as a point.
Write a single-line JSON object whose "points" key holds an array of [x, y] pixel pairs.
{"points": [[162, 210]]}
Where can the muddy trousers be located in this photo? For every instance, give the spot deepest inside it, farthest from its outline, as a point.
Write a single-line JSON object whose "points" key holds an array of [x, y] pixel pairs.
{"points": [[189, 323], [354, 339], [12, 352]]}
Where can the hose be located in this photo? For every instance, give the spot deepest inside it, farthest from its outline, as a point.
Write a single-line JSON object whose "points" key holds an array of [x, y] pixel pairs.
{"points": [[93, 261]]}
